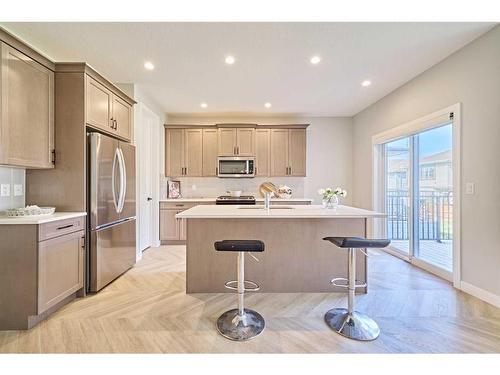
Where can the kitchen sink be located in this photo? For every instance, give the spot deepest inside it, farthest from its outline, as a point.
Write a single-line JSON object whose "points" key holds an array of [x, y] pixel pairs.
{"points": [[263, 208]]}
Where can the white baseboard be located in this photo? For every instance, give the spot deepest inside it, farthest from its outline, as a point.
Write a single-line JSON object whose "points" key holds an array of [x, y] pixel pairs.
{"points": [[480, 293]]}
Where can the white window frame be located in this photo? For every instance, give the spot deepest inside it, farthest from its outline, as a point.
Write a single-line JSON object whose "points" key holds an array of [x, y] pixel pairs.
{"points": [[419, 125]]}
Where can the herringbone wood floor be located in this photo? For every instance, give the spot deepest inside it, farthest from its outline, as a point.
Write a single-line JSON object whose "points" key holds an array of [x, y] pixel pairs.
{"points": [[147, 311]]}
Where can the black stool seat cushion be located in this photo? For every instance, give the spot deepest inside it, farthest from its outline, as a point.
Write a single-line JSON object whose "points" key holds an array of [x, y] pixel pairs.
{"points": [[255, 246], [357, 242]]}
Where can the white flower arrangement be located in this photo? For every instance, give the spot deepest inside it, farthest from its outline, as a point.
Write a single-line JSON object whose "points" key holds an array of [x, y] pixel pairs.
{"points": [[329, 193]]}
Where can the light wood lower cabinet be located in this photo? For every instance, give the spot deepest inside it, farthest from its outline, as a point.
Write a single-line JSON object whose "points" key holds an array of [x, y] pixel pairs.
{"points": [[169, 225], [41, 269], [26, 111], [60, 268]]}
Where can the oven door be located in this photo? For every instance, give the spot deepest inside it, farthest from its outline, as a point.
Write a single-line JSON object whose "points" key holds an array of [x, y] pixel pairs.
{"points": [[235, 167]]}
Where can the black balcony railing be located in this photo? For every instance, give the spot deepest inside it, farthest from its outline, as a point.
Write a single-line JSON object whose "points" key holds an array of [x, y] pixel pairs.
{"points": [[435, 214]]}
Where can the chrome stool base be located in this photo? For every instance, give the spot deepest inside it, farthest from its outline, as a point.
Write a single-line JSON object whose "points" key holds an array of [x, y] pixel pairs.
{"points": [[355, 326], [240, 328]]}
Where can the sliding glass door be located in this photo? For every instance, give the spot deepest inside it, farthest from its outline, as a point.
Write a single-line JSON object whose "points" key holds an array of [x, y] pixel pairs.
{"points": [[418, 197]]}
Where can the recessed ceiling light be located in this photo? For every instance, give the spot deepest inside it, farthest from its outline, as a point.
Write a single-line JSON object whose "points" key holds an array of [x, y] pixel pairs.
{"points": [[267, 105], [230, 60], [315, 60], [366, 83], [149, 65], [203, 105]]}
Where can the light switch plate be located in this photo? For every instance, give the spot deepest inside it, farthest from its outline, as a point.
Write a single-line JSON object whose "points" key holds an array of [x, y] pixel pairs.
{"points": [[18, 190], [5, 190], [470, 188]]}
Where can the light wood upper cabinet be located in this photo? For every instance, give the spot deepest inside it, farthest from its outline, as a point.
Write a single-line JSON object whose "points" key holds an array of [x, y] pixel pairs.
{"points": [[174, 152], [106, 111], [227, 141], [279, 152], [245, 139], [60, 268], [193, 152], [99, 105], [122, 117], [209, 152], [236, 141], [297, 152], [183, 152], [288, 152], [26, 111], [262, 152]]}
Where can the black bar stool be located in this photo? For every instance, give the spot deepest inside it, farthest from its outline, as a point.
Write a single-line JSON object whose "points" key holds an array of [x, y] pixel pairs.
{"points": [[240, 324], [347, 322]]}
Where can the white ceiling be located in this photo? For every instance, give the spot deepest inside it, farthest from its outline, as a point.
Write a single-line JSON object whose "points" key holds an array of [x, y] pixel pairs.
{"points": [[272, 60]]}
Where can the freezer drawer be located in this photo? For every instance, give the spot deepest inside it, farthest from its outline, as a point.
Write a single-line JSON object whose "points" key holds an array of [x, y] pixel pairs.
{"points": [[112, 252]]}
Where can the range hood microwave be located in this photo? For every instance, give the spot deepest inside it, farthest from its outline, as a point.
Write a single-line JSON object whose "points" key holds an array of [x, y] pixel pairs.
{"points": [[236, 166]]}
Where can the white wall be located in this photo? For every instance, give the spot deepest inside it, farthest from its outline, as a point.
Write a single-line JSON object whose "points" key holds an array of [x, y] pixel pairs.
{"points": [[329, 157], [471, 76]]}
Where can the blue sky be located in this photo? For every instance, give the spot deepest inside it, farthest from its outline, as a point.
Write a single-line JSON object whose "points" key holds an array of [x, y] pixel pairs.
{"points": [[431, 141]]}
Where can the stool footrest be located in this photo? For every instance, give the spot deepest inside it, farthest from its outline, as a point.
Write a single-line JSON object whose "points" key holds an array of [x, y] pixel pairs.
{"points": [[252, 286], [345, 283]]}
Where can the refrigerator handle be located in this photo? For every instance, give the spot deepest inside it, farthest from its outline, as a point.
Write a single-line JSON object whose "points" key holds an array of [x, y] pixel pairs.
{"points": [[116, 202], [123, 181]]}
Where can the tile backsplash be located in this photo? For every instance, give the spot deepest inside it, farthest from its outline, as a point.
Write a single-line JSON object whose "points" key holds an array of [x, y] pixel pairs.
{"points": [[12, 177], [208, 187]]}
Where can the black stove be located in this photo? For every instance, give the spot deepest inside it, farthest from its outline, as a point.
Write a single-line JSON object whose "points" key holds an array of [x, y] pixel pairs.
{"points": [[244, 199]]}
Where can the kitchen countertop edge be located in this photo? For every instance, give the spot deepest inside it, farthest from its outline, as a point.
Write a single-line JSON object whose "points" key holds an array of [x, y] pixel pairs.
{"points": [[35, 220]]}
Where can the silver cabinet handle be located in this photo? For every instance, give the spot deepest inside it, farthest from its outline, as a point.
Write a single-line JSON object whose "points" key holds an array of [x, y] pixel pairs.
{"points": [[113, 168], [112, 123]]}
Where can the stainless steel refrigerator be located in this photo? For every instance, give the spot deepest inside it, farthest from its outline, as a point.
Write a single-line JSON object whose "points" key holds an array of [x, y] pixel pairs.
{"points": [[111, 209]]}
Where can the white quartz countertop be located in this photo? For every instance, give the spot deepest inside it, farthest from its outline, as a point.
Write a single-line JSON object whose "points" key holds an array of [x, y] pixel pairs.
{"points": [[289, 212], [40, 219], [194, 200]]}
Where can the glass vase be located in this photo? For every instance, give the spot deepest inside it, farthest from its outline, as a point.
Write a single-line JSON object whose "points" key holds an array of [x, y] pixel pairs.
{"points": [[331, 202]]}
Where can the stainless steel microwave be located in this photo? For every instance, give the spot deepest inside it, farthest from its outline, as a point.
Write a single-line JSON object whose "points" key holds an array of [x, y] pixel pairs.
{"points": [[236, 166]]}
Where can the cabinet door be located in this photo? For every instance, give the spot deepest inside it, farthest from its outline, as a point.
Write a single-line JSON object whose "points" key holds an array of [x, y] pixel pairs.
{"points": [[169, 225], [122, 116], [227, 141], [297, 152], [174, 152], [99, 106], [209, 152], [193, 152], [60, 268], [262, 152], [245, 140], [279, 152], [26, 112]]}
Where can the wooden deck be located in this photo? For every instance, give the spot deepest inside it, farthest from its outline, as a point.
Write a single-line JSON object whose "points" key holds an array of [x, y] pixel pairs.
{"points": [[437, 253]]}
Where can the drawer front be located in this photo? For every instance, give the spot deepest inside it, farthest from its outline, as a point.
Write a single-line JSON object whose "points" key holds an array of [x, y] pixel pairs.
{"points": [[181, 206], [60, 228]]}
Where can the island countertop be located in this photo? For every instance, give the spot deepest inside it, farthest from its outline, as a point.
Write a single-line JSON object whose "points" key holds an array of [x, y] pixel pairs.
{"points": [[276, 212]]}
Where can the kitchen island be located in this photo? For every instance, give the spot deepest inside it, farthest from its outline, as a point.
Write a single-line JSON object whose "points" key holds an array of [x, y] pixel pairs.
{"points": [[296, 259]]}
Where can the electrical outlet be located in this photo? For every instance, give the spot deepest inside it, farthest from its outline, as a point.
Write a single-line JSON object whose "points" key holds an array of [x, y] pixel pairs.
{"points": [[18, 190], [470, 188], [5, 190]]}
